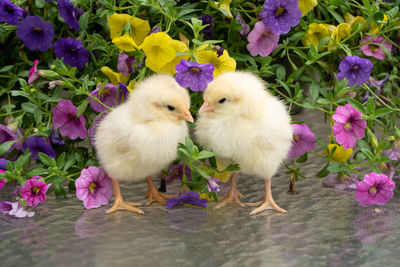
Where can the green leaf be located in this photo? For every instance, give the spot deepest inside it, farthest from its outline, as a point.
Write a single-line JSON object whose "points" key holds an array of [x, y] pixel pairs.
{"points": [[189, 145], [29, 107], [382, 111], [6, 68], [357, 105], [280, 72], [82, 108], [336, 15], [370, 106], [336, 167], [44, 159], [71, 186], [54, 179], [69, 163], [83, 20], [205, 154], [323, 172], [314, 91], [37, 172], [4, 147], [38, 116], [303, 158], [59, 191], [40, 3]]}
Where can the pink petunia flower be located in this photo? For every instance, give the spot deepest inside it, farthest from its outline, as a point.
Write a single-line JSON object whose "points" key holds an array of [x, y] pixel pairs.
{"points": [[2, 181], [33, 72], [348, 126], [375, 189], [64, 117], [261, 40], [34, 191], [303, 140], [94, 187], [393, 153], [374, 50], [14, 209]]}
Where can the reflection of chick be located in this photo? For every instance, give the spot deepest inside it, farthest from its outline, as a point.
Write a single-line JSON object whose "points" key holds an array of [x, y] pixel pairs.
{"points": [[140, 137], [242, 123]]}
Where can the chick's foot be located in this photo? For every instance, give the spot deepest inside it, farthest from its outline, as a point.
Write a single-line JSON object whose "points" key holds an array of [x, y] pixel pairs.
{"points": [[154, 195], [233, 195], [267, 203], [119, 203]]}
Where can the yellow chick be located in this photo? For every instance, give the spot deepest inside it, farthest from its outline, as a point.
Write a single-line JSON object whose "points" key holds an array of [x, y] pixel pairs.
{"points": [[139, 138], [242, 123]]}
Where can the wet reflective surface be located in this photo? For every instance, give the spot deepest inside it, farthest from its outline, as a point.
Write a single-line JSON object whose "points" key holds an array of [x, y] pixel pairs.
{"points": [[324, 227]]}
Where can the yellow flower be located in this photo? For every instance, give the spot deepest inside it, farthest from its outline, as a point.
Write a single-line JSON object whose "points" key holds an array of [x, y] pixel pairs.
{"points": [[205, 196], [159, 50], [341, 154], [179, 47], [221, 165], [374, 28], [221, 63], [114, 77], [306, 6], [350, 19], [339, 33], [225, 5], [139, 28], [316, 32], [125, 43], [131, 86]]}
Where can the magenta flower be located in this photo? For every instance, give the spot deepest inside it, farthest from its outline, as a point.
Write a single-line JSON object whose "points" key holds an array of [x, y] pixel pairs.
{"points": [[303, 140], [94, 187], [2, 181], [348, 126], [374, 50], [33, 72], [245, 28], [14, 209], [7, 135], [375, 189], [34, 191], [125, 63], [262, 41], [108, 96], [64, 117]]}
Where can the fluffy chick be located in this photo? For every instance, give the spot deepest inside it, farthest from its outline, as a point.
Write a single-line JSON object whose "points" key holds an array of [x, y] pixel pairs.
{"points": [[139, 138], [242, 123]]}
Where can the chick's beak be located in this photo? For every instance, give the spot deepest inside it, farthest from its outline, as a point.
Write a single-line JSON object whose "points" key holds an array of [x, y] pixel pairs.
{"points": [[206, 108], [187, 116]]}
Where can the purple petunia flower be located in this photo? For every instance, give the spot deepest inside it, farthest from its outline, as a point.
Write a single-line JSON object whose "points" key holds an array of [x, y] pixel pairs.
{"points": [[125, 63], [3, 164], [375, 189], [357, 70], [209, 30], [176, 172], [303, 140], [55, 138], [64, 117], [14, 209], [35, 33], [70, 14], [124, 90], [261, 40], [194, 75], [37, 144], [245, 28], [155, 30], [7, 135], [212, 185], [94, 187], [348, 126], [191, 198], [72, 51], [34, 191], [374, 50], [10, 12], [280, 15], [108, 96]]}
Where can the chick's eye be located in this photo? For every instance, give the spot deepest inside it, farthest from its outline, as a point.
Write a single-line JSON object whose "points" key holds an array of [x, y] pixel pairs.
{"points": [[170, 108], [222, 100]]}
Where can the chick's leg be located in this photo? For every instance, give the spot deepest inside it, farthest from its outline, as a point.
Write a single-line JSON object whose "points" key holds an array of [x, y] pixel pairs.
{"points": [[119, 203], [233, 195], [154, 195], [268, 202]]}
